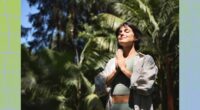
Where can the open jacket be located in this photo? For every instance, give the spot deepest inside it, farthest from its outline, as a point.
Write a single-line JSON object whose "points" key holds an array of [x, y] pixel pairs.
{"points": [[142, 80]]}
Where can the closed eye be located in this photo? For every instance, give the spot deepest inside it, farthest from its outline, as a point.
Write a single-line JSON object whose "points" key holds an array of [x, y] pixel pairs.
{"points": [[127, 30]]}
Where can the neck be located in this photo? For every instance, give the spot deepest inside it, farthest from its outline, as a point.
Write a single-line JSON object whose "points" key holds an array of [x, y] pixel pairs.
{"points": [[129, 51]]}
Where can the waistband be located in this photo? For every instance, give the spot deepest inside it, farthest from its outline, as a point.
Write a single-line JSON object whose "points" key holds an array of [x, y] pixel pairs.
{"points": [[120, 98]]}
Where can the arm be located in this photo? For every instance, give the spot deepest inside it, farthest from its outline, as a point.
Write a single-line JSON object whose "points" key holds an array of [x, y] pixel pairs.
{"points": [[110, 77], [101, 79], [126, 72], [147, 76]]}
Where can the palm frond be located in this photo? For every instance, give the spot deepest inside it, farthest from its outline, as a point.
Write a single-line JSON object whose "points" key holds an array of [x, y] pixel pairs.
{"points": [[124, 9], [147, 10], [109, 20], [92, 102]]}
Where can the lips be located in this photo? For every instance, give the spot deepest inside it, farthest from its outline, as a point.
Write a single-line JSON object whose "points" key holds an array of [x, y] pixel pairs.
{"points": [[122, 37]]}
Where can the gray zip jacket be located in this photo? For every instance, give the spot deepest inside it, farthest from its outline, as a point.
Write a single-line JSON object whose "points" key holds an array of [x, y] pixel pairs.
{"points": [[142, 80]]}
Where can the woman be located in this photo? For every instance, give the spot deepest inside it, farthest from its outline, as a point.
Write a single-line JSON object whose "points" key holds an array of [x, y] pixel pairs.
{"points": [[128, 72]]}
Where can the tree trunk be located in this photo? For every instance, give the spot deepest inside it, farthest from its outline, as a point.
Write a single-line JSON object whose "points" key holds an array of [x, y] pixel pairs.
{"points": [[170, 96]]}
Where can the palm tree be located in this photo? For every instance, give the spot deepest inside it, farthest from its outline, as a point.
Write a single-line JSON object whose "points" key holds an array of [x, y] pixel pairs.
{"points": [[87, 32], [50, 81], [159, 22], [50, 77]]}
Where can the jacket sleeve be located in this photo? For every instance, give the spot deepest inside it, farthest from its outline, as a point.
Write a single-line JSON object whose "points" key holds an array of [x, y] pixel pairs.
{"points": [[146, 77], [100, 80]]}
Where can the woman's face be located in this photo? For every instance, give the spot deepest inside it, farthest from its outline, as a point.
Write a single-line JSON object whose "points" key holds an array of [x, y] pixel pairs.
{"points": [[126, 36]]}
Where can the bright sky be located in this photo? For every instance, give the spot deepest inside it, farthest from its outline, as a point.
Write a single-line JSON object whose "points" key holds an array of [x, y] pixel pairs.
{"points": [[25, 11]]}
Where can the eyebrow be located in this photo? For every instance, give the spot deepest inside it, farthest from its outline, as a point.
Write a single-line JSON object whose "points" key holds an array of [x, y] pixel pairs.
{"points": [[125, 29]]}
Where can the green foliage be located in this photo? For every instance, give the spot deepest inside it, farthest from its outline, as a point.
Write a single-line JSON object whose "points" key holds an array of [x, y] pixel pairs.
{"points": [[73, 40]]}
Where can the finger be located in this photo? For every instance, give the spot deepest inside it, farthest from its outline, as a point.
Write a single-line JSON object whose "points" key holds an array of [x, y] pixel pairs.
{"points": [[116, 64]]}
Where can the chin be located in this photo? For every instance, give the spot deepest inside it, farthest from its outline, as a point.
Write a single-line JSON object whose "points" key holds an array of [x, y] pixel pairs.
{"points": [[123, 42]]}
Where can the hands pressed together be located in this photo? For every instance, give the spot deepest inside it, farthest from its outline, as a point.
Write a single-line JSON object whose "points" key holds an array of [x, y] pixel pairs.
{"points": [[119, 64], [120, 60]]}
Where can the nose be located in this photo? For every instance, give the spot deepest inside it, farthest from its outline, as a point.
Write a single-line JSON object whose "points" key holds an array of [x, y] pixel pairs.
{"points": [[121, 33]]}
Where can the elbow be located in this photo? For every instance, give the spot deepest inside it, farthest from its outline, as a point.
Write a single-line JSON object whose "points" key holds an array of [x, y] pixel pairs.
{"points": [[143, 87], [143, 91]]}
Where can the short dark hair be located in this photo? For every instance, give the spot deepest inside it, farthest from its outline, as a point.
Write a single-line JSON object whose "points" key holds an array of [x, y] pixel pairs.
{"points": [[136, 31]]}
